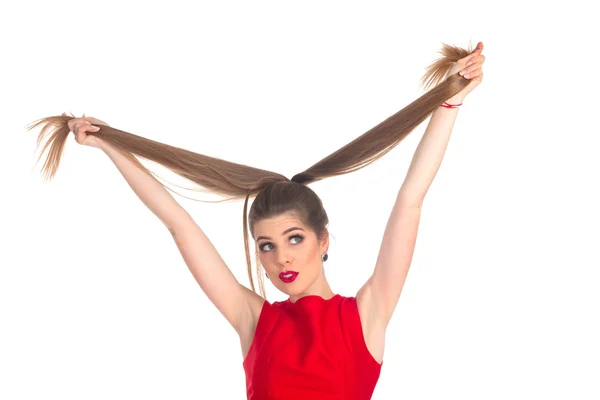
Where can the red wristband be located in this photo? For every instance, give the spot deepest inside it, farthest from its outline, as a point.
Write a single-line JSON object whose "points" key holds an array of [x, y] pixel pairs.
{"points": [[448, 105]]}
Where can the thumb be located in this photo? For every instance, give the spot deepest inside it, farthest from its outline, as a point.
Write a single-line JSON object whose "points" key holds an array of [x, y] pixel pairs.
{"points": [[478, 48]]}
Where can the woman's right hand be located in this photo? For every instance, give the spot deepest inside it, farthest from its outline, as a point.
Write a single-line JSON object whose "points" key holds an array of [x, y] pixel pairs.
{"points": [[79, 126]]}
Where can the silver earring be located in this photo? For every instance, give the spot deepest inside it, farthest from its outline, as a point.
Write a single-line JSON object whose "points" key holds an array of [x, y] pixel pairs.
{"points": [[324, 257], [267, 276]]}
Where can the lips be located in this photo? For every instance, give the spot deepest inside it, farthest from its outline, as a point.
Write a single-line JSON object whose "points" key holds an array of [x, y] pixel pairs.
{"points": [[288, 276]]}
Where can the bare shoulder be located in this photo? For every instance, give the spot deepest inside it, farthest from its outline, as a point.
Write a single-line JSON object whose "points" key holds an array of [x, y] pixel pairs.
{"points": [[249, 320], [371, 321], [255, 302]]}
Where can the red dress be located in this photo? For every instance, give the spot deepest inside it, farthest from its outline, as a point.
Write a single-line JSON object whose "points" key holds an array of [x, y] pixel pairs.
{"points": [[311, 349]]}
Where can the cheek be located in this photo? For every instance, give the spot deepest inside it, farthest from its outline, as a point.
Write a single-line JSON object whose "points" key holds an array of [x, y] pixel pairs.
{"points": [[263, 260], [309, 254], [267, 260]]}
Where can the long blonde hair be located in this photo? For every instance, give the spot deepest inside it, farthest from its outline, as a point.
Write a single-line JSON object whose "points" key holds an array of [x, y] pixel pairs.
{"points": [[275, 194]]}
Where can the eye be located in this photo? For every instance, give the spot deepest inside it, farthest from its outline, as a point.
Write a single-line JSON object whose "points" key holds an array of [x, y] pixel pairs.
{"points": [[261, 247]]}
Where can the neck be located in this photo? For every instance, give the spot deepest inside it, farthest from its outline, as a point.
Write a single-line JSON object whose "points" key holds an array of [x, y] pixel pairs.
{"points": [[319, 288], [325, 296]]}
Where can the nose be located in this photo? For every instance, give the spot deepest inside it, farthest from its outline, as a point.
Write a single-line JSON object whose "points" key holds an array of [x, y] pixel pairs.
{"points": [[283, 258]]}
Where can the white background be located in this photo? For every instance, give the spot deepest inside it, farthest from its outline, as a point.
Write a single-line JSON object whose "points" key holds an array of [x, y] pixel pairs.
{"points": [[501, 300]]}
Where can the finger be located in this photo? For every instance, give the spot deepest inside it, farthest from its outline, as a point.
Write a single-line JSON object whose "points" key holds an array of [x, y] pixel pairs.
{"points": [[478, 48], [473, 74], [472, 65], [469, 70], [82, 123], [79, 129], [475, 59], [84, 127], [78, 137]]}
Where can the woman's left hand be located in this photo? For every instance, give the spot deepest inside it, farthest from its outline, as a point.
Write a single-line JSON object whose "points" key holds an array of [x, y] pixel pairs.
{"points": [[470, 68]]}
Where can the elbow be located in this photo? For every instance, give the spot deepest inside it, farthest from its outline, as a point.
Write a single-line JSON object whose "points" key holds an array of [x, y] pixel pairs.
{"points": [[410, 197]]}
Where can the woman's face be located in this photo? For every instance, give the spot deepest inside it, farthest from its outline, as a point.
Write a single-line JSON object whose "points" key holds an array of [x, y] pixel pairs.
{"points": [[283, 244]]}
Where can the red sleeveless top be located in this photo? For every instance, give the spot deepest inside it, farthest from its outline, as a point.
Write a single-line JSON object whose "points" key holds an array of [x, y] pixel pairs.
{"points": [[311, 349]]}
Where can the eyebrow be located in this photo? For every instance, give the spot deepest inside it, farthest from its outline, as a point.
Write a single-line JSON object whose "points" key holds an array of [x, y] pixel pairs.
{"points": [[283, 233]]}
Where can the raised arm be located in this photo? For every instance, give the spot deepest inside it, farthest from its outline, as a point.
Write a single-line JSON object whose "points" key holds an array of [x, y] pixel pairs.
{"points": [[237, 303], [380, 294], [378, 298]]}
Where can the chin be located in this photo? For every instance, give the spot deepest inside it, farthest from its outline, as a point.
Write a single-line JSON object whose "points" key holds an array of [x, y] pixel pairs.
{"points": [[290, 289], [295, 288]]}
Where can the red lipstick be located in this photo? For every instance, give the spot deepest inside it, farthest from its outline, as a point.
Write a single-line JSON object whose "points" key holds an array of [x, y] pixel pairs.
{"points": [[288, 276]]}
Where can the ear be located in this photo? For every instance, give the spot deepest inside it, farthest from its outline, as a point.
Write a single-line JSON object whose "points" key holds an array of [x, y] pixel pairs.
{"points": [[325, 241]]}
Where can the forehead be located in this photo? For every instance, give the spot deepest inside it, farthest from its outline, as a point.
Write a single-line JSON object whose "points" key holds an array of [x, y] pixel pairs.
{"points": [[277, 224]]}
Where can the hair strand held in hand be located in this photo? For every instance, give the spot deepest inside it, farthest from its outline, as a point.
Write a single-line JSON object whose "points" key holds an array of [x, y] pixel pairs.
{"points": [[274, 193]]}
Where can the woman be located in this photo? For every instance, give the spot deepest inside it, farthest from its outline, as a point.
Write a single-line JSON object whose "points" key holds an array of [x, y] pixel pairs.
{"points": [[316, 344]]}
